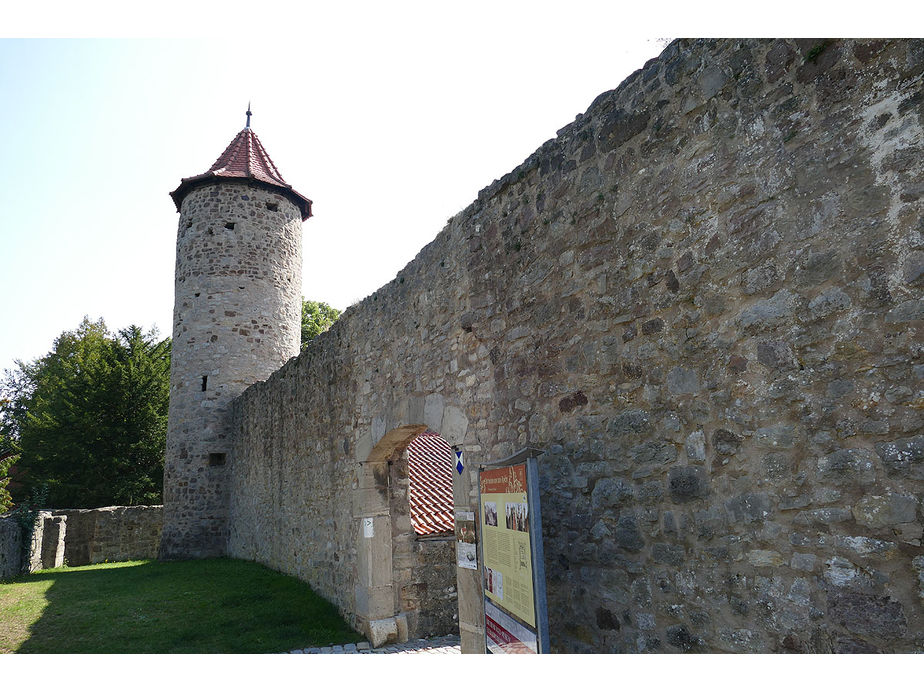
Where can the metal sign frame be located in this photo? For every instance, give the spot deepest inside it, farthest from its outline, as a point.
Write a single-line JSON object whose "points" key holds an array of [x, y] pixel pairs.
{"points": [[526, 457]]}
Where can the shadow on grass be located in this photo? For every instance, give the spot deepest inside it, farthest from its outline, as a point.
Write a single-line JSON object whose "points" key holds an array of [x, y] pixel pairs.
{"points": [[201, 606]]}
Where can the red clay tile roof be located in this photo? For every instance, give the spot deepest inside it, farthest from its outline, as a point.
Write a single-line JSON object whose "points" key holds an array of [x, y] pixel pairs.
{"points": [[429, 469], [245, 158]]}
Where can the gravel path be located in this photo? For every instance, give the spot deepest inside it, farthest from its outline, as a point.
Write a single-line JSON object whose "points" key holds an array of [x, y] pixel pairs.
{"points": [[446, 644]]}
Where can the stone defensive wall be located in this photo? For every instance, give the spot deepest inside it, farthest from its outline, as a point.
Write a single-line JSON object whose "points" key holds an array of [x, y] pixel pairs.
{"points": [[703, 301], [81, 537]]}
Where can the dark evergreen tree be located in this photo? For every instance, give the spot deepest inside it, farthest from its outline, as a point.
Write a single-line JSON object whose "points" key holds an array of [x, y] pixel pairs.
{"points": [[7, 458], [89, 419]]}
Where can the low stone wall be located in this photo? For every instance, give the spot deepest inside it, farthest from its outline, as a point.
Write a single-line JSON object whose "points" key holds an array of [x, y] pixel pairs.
{"points": [[82, 537], [116, 533], [10, 548]]}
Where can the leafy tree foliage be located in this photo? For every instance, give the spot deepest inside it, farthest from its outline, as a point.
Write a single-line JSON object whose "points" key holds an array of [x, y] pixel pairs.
{"points": [[7, 459], [89, 419], [317, 317], [8, 452]]}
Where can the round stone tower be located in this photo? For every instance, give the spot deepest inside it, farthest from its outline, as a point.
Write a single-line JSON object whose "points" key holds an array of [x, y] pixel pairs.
{"points": [[236, 319]]}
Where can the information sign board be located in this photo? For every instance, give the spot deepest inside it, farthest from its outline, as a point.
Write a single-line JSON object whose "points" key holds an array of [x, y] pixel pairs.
{"points": [[511, 548]]}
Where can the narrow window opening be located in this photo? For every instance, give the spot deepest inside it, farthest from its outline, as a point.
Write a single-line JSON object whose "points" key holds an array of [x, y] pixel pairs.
{"points": [[216, 459], [272, 206], [229, 225], [205, 380]]}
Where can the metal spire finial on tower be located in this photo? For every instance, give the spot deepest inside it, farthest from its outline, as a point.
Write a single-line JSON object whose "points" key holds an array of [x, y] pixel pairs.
{"points": [[248, 116]]}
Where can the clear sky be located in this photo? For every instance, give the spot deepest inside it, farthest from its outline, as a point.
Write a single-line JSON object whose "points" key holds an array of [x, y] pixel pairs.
{"points": [[389, 126], [390, 116]]}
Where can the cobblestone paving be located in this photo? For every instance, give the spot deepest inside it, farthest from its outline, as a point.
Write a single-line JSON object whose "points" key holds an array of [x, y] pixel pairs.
{"points": [[445, 644]]}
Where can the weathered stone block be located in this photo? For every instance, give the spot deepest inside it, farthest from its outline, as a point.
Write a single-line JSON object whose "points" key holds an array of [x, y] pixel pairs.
{"points": [[918, 564], [885, 511], [669, 554], [610, 495], [683, 381], [382, 631], [619, 127], [709, 522], [803, 561], [627, 535], [866, 546], [748, 507], [903, 457], [681, 637], [825, 516], [778, 467], [761, 558], [695, 446], [650, 492], [741, 640], [866, 614], [776, 355], [777, 436], [906, 312], [53, 540], [828, 302], [629, 422], [433, 411], [687, 484], [725, 442], [842, 573], [913, 269], [454, 425], [769, 313], [657, 453], [855, 465]]}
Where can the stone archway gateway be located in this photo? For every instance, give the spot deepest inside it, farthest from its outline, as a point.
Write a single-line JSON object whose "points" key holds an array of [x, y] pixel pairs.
{"points": [[406, 586]]}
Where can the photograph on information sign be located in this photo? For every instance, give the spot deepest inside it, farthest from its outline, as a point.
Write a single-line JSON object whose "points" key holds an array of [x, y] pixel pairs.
{"points": [[490, 514], [516, 517]]}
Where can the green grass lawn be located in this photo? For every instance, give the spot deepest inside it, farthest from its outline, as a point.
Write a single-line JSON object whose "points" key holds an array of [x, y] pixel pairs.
{"points": [[210, 605]]}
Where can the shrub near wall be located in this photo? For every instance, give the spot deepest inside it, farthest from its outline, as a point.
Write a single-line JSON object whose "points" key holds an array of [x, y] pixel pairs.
{"points": [[703, 301]]}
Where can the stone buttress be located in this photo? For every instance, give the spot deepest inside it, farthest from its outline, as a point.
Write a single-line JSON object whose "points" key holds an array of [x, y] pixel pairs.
{"points": [[236, 319]]}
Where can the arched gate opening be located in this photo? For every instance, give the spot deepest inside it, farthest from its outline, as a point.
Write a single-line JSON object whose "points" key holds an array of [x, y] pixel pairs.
{"points": [[406, 587]]}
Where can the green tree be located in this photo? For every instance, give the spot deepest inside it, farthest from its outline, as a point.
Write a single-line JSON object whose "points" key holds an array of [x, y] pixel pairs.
{"points": [[7, 459], [317, 317], [9, 452], [89, 419]]}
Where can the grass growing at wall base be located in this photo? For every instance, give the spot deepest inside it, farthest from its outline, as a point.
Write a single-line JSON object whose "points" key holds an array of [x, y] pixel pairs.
{"points": [[212, 605]]}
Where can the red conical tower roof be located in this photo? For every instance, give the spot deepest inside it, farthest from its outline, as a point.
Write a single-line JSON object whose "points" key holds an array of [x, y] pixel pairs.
{"points": [[244, 159]]}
